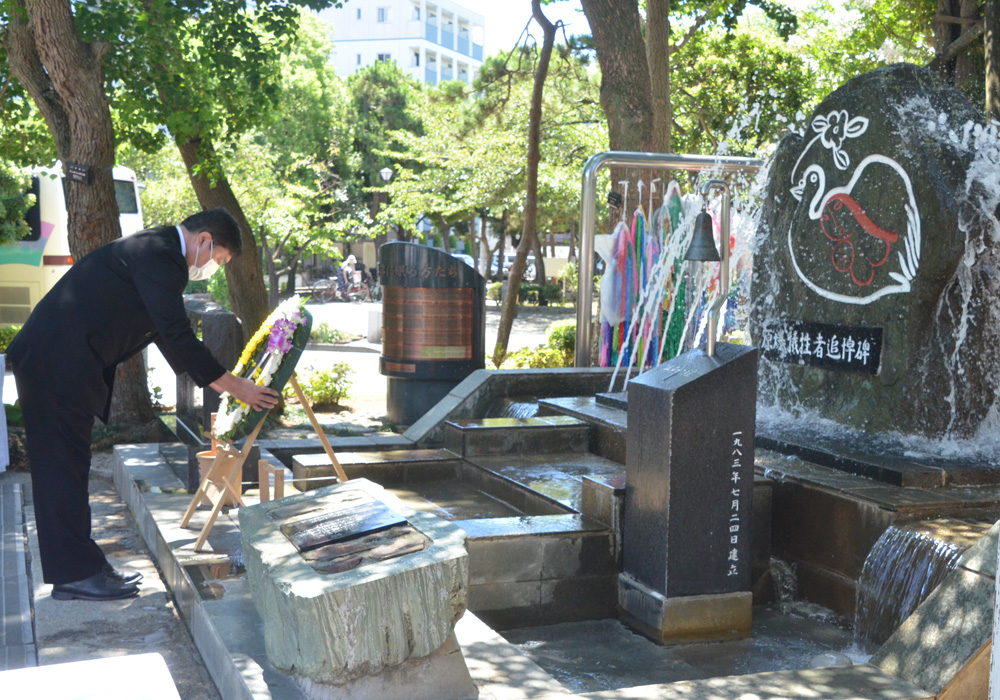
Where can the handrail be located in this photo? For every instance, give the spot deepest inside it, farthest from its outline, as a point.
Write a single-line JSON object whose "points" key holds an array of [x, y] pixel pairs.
{"points": [[588, 217]]}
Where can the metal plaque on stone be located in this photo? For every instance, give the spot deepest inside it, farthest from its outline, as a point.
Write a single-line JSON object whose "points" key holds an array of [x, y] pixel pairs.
{"points": [[327, 527]]}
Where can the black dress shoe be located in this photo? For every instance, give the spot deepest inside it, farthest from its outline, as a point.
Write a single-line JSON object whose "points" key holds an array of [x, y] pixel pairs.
{"points": [[97, 587], [122, 576]]}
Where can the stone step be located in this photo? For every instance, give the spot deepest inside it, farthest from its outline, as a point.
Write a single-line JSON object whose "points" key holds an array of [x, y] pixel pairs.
{"points": [[607, 423], [541, 570], [560, 476], [499, 436], [312, 471], [17, 640], [861, 682]]}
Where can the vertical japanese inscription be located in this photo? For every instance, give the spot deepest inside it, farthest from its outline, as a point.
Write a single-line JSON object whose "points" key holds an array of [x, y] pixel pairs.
{"points": [[736, 487]]}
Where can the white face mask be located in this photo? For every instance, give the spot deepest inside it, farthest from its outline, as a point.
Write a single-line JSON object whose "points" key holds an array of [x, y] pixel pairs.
{"points": [[197, 273]]}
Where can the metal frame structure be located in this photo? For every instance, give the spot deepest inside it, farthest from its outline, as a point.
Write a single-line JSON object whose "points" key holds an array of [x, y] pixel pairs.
{"points": [[588, 217]]}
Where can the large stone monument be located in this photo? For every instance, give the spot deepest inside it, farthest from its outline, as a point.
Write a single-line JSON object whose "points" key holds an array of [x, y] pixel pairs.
{"points": [[359, 594], [875, 297], [689, 497]]}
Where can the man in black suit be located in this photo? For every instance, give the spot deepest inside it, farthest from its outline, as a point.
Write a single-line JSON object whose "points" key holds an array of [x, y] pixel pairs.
{"points": [[109, 306]]}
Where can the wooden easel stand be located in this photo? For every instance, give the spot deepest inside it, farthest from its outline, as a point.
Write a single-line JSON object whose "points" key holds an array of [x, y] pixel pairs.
{"points": [[226, 471]]}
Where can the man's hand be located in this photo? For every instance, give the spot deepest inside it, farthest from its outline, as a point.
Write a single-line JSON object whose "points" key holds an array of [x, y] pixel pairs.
{"points": [[256, 397]]}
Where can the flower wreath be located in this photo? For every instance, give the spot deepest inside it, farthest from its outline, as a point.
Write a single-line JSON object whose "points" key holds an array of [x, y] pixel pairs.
{"points": [[269, 351]]}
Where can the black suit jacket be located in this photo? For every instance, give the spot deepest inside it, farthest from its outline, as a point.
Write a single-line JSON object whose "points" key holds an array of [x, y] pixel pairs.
{"points": [[109, 306]]}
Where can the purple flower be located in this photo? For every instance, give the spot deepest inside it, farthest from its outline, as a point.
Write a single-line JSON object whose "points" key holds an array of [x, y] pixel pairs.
{"points": [[280, 339]]}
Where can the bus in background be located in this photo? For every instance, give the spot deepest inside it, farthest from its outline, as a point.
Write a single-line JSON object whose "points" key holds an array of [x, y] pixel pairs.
{"points": [[30, 267]]}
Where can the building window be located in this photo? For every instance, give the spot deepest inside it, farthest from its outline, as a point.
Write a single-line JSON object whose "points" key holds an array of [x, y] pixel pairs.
{"points": [[416, 12], [383, 14], [384, 57], [359, 13], [416, 59], [359, 60]]}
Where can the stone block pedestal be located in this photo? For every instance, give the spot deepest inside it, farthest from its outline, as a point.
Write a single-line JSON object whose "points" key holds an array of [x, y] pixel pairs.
{"points": [[366, 616], [696, 618]]}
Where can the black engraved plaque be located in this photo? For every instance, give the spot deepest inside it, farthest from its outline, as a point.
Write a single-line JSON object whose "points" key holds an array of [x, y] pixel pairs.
{"points": [[327, 527], [840, 348]]}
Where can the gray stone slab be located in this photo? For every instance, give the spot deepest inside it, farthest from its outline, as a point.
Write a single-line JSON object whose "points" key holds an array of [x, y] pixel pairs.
{"points": [[586, 408], [137, 677], [15, 597], [862, 682], [936, 641], [982, 556], [18, 656]]}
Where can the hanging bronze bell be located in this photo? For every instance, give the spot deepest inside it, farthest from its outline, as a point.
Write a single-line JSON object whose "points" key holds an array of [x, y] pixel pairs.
{"points": [[703, 241]]}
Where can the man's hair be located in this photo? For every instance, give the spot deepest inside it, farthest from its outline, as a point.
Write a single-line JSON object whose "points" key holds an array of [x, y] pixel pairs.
{"points": [[221, 224]]}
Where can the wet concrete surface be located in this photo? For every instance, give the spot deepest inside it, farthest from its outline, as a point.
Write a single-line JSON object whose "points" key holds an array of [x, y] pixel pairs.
{"points": [[453, 500], [606, 655]]}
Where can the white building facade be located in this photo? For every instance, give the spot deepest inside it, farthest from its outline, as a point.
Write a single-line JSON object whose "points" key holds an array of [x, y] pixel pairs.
{"points": [[433, 41]]}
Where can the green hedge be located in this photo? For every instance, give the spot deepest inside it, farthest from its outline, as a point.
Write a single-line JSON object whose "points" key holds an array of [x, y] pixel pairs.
{"points": [[539, 295], [7, 334]]}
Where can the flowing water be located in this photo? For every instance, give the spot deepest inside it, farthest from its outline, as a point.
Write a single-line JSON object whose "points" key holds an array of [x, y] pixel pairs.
{"points": [[901, 570], [510, 408]]}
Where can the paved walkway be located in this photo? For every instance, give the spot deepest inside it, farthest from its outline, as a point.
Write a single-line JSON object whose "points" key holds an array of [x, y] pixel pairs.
{"points": [[17, 636], [68, 631]]}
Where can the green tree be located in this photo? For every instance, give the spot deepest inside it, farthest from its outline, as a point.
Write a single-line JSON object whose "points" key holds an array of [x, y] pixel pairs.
{"points": [[62, 68], [383, 106], [15, 200], [740, 88], [636, 52]]}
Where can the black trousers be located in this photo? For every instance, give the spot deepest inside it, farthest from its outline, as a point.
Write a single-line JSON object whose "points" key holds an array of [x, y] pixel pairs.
{"points": [[59, 435]]}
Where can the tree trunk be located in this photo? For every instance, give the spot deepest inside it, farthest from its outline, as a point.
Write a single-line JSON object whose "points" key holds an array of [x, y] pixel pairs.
{"points": [[65, 77], [625, 88], [529, 237], [992, 16], [965, 70], [944, 34], [445, 234], [244, 274], [483, 248], [272, 271], [539, 262], [658, 55], [472, 236], [293, 271]]}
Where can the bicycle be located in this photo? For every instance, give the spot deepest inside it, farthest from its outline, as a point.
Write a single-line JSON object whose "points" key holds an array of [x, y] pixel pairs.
{"points": [[326, 289], [358, 289]]}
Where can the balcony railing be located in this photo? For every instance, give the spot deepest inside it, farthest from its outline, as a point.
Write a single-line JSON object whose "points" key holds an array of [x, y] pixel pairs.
{"points": [[447, 74], [463, 45], [431, 32], [477, 52], [447, 39], [431, 77]]}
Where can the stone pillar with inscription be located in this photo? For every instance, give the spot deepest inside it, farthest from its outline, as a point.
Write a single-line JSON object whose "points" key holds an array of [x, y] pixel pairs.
{"points": [[688, 498]]}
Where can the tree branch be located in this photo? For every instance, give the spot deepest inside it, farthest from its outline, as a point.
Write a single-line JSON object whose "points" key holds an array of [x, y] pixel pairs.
{"points": [[695, 27], [958, 46]]}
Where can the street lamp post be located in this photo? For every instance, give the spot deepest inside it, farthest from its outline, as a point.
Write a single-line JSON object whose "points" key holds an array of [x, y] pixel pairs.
{"points": [[386, 175]]}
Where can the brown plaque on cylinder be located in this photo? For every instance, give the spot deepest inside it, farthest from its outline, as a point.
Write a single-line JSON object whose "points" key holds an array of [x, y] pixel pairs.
{"points": [[433, 314]]}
